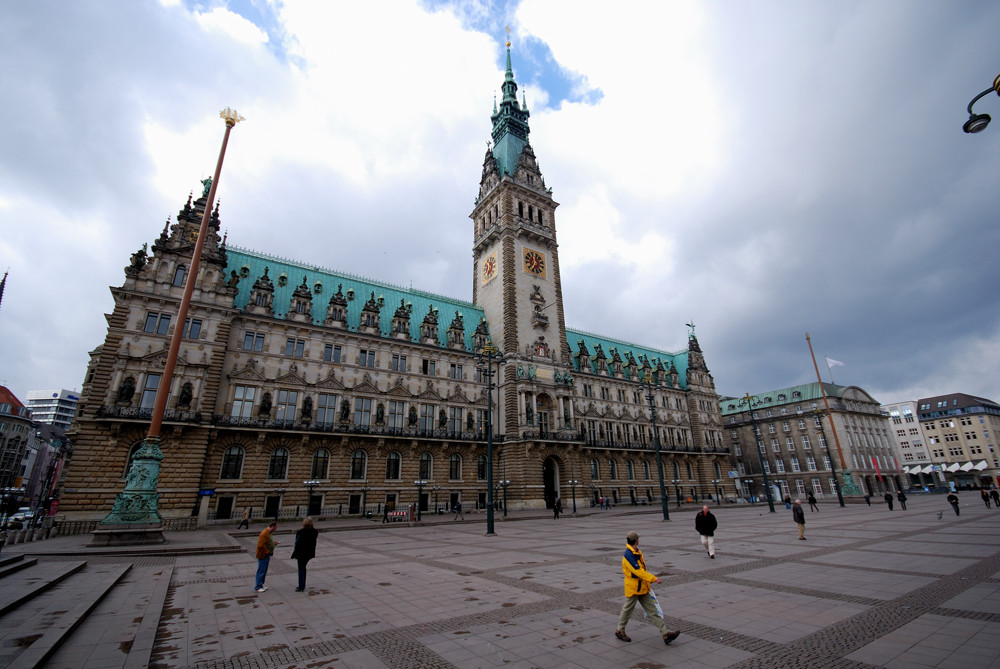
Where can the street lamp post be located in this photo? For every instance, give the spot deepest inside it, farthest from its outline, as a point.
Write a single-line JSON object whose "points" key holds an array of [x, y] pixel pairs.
{"points": [[573, 483], [978, 122], [135, 517], [310, 485], [833, 470], [677, 491], [420, 493], [364, 500], [435, 489], [279, 493], [485, 358], [503, 484], [750, 402], [649, 381], [716, 482]]}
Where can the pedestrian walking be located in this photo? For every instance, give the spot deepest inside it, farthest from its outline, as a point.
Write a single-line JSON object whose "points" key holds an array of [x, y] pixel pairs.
{"points": [[245, 518], [556, 509], [637, 590], [458, 511], [788, 502], [706, 525], [953, 500], [265, 549], [902, 500], [986, 497], [800, 519], [996, 498], [812, 502], [304, 548], [868, 499], [888, 499]]}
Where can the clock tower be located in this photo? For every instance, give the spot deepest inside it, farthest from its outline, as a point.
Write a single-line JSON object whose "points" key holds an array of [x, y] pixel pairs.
{"points": [[516, 273]]}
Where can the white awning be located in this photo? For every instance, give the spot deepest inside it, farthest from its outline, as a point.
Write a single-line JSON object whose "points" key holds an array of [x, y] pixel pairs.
{"points": [[966, 467], [980, 466], [953, 467], [927, 470], [906, 469]]}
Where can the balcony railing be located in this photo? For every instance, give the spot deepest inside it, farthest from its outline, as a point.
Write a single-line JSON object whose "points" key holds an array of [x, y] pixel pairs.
{"points": [[349, 428], [139, 413]]}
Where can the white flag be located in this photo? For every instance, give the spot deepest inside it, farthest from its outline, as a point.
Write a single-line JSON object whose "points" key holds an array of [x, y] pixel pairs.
{"points": [[830, 362]]}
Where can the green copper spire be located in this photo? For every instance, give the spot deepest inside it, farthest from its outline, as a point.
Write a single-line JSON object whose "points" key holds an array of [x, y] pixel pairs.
{"points": [[510, 124]]}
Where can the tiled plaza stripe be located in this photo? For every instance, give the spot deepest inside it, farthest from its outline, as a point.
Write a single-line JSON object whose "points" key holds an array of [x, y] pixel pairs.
{"points": [[968, 615]]}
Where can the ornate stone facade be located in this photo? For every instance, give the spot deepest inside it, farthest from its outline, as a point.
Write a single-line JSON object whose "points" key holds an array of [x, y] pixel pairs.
{"points": [[290, 373]]}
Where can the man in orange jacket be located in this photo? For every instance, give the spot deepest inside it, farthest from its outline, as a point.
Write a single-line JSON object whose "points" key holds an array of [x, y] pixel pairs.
{"points": [[265, 549], [637, 581]]}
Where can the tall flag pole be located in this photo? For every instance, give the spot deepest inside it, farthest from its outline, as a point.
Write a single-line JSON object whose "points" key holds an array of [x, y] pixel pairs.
{"points": [[848, 487], [3, 284]]}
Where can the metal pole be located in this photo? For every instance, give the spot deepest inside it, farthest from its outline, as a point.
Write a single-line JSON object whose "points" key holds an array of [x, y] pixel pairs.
{"points": [[833, 469]]}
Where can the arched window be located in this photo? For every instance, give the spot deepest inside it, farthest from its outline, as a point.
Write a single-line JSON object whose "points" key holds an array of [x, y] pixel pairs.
{"points": [[595, 470], [455, 467], [629, 469], [277, 468], [426, 466], [321, 464], [359, 462], [392, 465], [688, 467], [677, 471], [612, 470], [179, 275], [718, 470], [232, 463], [645, 470], [481, 468]]}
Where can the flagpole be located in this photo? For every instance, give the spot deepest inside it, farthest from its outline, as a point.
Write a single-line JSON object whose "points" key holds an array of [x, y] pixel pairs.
{"points": [[848, 487]]}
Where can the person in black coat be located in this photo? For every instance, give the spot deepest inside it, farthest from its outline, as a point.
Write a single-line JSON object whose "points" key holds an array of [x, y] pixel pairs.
{"points": [[888, 499], [706, 524], [305, 549]]}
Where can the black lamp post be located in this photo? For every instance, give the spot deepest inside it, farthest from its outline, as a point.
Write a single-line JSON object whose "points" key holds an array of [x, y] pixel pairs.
{"points": [[364, 500], [649, 381], [485, 359], [573, 483], [751, 402], [279, 493], [310, 486], [978, 122], [716, 482], [420, 493], [677, 490], [503, 484], [818, 413], [435, 489]]}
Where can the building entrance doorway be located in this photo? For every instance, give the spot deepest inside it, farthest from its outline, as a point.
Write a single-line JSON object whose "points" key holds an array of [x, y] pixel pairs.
{"points": [[550, 477]]}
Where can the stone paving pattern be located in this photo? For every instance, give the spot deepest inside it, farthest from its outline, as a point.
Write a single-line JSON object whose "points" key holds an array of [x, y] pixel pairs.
{"points": [[869, 587]]}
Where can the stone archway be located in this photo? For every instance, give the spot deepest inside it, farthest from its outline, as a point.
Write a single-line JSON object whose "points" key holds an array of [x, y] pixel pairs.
{"points": [[550, 479]]}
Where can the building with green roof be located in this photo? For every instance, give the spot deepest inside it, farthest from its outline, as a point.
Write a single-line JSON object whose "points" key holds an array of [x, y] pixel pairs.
{"points": [[291, 373]]}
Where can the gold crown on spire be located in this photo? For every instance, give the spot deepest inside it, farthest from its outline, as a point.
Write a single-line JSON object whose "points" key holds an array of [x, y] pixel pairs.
{"points": [[507, 28]]}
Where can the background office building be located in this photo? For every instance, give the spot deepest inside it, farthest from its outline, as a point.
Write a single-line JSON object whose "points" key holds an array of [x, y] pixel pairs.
{"points": [[53, 407], [961, 435]]}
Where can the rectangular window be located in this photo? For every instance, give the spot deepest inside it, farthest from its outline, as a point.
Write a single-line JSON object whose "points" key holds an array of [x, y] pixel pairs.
{"points": [[295, 347], [454, 371], [429, 367], [366, 358], [158, 323], [331, 353], [398, 362], [286, 405], [795, 465], [192, 328], [826, 462], [779, 466], [774, 446], [771, 428], [243, 402], [149, 391], [811, 463], [767, 466], [588, 390], [396, 412], [805, 442], [785, 426], [363, 411], [253, 341], [737, 449], [326, 409], [454, 419], [427, 417]]}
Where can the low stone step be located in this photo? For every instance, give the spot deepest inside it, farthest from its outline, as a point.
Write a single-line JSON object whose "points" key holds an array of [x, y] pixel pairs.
{"points": [[43, 633], [15, 565], [35, 581]]}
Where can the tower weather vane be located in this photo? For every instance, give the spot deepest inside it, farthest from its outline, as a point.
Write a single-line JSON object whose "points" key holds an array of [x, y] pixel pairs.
{"points": [[507, 28]]}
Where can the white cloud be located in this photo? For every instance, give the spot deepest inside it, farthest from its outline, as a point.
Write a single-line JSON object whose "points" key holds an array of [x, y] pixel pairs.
{"points": [[232, 25]]}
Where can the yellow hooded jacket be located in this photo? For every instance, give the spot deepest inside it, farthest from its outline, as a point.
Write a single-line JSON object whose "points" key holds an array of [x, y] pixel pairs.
{"points": [[637, 579]]}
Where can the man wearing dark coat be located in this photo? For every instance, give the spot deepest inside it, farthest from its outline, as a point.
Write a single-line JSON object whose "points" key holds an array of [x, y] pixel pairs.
{"points": [[706, 524], [304, 549], [800, 518]]}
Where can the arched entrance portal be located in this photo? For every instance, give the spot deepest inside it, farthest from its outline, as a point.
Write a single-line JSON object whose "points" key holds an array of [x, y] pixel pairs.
{"points": [[550, 477]]}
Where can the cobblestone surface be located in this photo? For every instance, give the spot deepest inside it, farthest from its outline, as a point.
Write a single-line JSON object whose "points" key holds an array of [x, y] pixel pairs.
{"points": [[866, 589]]}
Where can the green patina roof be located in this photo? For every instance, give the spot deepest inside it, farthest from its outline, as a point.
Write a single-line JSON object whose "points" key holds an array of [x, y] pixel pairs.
{"points": [[808, 392], [510, 125], [363, 288], [574, 337]]}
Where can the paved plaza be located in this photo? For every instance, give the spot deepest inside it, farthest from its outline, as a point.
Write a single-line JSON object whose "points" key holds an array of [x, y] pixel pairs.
{"points": [[869, 587]]}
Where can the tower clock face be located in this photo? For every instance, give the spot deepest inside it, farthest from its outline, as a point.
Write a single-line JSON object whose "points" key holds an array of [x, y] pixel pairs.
{"points": [[489, 268], [534, 262]]}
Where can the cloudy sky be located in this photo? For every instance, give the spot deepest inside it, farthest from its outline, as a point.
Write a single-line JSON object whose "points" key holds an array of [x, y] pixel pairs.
{"points": [[762, 169]]}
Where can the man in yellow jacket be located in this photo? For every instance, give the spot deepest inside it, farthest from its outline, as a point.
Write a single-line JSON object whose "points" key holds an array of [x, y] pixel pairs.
{"points": [[637, 581]]}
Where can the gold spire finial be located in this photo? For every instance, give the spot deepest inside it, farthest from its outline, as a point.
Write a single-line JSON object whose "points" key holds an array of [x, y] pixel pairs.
{"points": [[230, 116], [507, 28]]}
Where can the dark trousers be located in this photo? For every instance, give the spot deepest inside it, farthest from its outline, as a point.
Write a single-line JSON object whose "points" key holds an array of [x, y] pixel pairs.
{"points": [[245, 521], [302, 572], [955, 506]]}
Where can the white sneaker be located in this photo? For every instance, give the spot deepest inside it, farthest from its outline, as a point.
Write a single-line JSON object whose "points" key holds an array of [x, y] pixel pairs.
{"points": [[262, 588]]}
